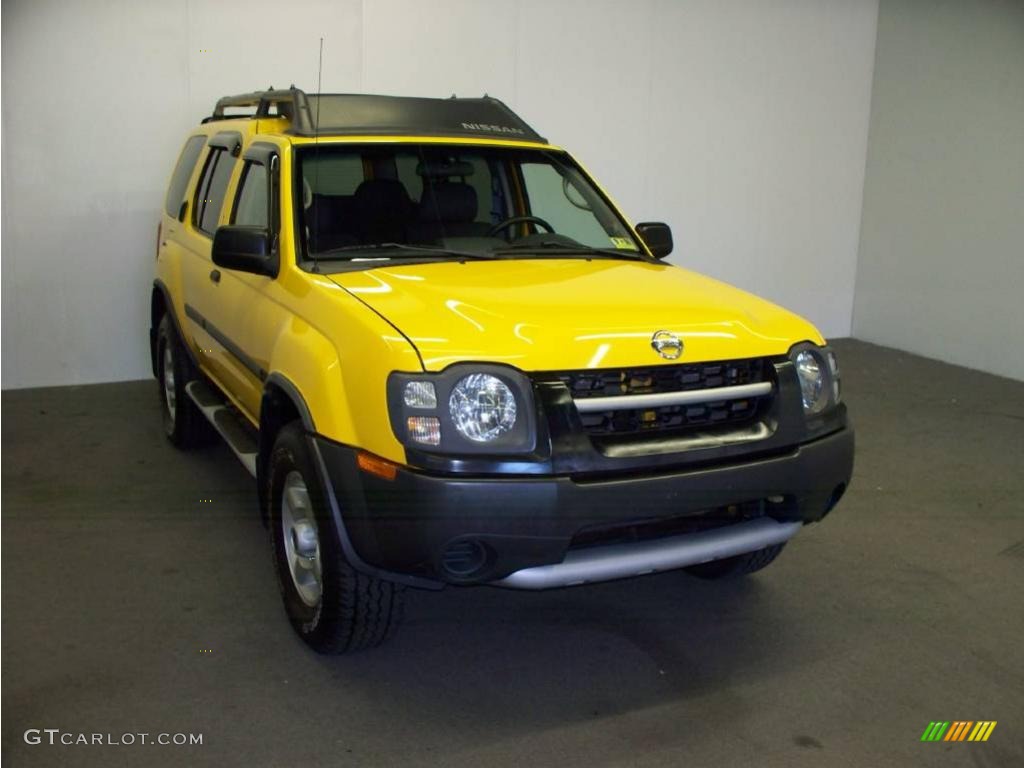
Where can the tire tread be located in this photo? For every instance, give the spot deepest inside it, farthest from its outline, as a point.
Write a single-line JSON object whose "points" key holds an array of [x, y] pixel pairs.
{"points": [[358, 611], [739, 565]]}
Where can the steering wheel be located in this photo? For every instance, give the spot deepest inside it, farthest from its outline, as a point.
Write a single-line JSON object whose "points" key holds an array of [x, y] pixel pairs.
{"points": [[519, 220]]}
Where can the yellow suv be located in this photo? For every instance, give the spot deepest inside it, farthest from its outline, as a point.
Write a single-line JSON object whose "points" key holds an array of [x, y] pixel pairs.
{"points": [[448, 358]]}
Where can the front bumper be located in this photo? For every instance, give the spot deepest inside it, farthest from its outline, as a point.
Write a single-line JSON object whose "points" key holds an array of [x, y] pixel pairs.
{"points": [[412, 525]]}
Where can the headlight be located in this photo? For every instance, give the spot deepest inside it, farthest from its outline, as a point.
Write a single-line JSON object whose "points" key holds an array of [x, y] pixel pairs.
{"points": [[812, 381], [482, 407], [467, 409], [818, 373], [833, 368]]}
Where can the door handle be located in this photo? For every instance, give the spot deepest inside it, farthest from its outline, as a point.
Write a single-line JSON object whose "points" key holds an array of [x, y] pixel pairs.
{"points": [[215, 275]]}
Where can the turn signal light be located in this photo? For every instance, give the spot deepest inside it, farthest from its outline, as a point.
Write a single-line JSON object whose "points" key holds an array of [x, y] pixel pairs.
{"points": [[424, 429], [375, 465]]}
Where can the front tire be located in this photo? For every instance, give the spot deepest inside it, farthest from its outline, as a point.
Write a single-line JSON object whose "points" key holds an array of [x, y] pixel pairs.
{"points": [[184, 425], [333, 608], [737, 566]]}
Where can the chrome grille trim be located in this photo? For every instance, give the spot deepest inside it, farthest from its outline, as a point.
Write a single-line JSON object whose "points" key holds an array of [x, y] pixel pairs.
{"points": [[661, 399]]}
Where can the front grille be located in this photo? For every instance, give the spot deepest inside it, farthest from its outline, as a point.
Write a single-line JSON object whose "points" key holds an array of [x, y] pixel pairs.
{"points": [[663, 379], [634, 531]]}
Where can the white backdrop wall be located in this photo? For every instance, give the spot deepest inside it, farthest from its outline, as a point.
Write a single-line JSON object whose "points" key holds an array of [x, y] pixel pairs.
{"points": [[742, 123], [941, 268]]}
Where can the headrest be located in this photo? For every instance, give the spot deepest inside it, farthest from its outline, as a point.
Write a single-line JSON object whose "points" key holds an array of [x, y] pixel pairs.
{"points": [[381, 197], [443, 169], [448, 201]]}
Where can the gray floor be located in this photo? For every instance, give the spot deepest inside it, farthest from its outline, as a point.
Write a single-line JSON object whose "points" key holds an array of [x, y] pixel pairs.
{"points": [[123, 559]]}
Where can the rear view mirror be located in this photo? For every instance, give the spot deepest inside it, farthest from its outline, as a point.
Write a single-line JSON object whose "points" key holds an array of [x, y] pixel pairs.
{"points": [[657, 237], [244, 249]]}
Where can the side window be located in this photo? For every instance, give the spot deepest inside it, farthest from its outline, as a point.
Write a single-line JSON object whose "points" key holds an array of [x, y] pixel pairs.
{"points": [[560, 204], [212, 186], [182, 173], [251, 205]]}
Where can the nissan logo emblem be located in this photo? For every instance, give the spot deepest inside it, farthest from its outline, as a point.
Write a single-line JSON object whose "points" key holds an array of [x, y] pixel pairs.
{"points": [[667, 344]]}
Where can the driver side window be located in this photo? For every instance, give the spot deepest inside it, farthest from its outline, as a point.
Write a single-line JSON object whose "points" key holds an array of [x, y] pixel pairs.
{"points": [[252, 204], [559, 204]]}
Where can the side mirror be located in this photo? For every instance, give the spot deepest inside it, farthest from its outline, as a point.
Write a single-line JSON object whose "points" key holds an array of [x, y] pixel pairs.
{"points": [[657, 237], [244, 249]]}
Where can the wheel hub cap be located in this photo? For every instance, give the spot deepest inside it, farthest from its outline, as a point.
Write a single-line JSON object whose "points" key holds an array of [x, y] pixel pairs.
{"points": [[169, 393], [301, 539]]}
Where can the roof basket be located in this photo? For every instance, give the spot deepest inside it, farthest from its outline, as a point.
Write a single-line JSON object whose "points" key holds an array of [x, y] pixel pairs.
{"points": [[291, 104], [352, 114]]}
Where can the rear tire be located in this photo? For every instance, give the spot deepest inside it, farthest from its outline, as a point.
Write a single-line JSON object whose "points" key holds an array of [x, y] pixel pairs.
{"points": [[738, 566], [184, 425], [333, 607]]}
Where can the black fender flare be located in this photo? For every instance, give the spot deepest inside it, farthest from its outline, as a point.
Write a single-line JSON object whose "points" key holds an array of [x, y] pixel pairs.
{"points": [[158, 285], [282, 383]]}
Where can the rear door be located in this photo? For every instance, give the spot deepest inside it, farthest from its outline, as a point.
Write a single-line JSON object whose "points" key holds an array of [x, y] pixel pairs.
{"points": [[199, 275], [172, 224]]}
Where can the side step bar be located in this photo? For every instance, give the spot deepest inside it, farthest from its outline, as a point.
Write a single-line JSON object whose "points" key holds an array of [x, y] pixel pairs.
{"points": [[583, 566], [240, 437]]}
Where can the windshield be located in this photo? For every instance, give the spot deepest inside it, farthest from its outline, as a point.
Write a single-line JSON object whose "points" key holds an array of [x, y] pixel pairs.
{"points": [[384, 202]]}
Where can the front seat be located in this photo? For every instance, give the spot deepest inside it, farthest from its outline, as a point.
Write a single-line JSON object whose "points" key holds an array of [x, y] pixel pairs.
{"points": [[383, 211], [447, 209]]}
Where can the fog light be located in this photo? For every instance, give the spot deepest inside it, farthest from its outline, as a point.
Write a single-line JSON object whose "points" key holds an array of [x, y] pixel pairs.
{"points": [[420, 394], [424, 429], [465, 559]]}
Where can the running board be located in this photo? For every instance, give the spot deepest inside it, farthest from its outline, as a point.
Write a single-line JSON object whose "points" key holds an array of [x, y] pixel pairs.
{"points": [[240, 437], [617, 561]]}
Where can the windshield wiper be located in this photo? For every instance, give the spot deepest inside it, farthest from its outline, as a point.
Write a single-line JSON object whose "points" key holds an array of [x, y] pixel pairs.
{"points": [[550, 246], [426, 250]]}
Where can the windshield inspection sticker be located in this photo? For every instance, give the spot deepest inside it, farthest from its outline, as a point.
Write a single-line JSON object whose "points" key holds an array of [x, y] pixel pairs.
{"points": [[623, 243]]}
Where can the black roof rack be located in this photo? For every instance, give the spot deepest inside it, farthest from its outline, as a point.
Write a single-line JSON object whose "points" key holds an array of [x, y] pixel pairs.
{"points": [[333, 114]]}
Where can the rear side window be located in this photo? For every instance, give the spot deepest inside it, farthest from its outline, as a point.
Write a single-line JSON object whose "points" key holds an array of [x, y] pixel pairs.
{"points": [[182, 173], [212, 186], [251, 208]]}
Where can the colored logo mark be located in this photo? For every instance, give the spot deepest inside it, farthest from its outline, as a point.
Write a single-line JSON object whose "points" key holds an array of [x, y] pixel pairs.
{"points": [[959, 730]]}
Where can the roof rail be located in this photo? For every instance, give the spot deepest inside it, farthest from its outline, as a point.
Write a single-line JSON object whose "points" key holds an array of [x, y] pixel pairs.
{"points": [[375, 115], [291, 104]]}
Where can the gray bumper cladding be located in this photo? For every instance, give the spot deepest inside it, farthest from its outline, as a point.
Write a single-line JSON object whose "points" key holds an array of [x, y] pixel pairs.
{"points": [[618, 561]]}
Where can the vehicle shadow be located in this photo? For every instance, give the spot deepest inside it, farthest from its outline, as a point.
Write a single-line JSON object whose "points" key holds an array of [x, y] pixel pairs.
{"points": [[514, 662]]}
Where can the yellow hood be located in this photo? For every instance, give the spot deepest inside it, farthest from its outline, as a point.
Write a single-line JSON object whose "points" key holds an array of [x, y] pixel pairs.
{"points": [[558, 314]]}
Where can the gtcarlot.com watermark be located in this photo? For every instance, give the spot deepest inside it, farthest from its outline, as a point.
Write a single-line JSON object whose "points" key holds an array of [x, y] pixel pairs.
{"points": [[55, 736]]}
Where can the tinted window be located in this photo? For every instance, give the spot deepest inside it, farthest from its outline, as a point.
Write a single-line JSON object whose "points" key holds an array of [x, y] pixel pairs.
{"points": [[406, 165], [555, 197], [335, 174], [212, 187], [182, 173], [449, 196], [251, 208]]}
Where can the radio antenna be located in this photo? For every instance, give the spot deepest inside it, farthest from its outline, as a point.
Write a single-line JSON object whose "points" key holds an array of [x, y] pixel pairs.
{"points": [[316, 152]]}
